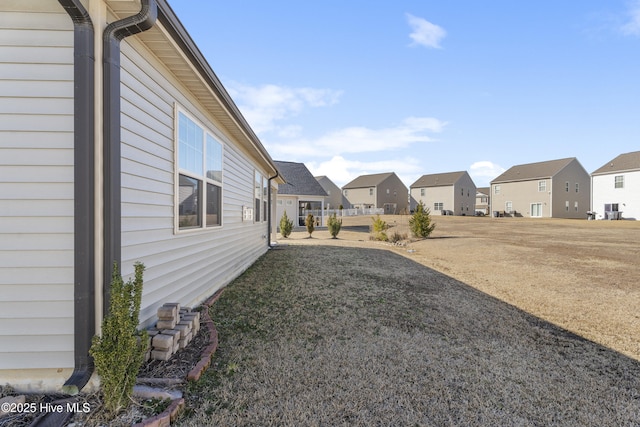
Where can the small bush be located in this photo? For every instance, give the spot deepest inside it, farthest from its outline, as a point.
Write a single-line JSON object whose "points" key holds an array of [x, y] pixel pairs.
{"points": [[286, 225], [420, 222], [397, 237], [334, 225], [119, 352], [309, 222], [379, 228]]}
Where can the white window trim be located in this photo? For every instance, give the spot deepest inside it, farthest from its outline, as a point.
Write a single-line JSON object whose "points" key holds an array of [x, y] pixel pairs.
{"points": [[178, 171]]}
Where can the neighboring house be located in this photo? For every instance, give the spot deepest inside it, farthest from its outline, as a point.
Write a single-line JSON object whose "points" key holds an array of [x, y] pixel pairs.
{"points": [[551, 189], [483, 197], [300, 195], [334, 198], [145, 159], [381, 190], [451, 193], [615, 188]]}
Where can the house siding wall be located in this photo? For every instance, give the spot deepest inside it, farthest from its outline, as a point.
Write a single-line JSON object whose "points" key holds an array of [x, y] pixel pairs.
{"points": [[573, 173], [522, 194], [36, 186], [464, 195], [360, 197], [433, 195], [628, 198], [393, 191], [187, 266]]}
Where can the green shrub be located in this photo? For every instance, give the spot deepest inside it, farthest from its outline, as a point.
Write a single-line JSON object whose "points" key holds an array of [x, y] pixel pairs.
{"points": [[420, 222], [286, 225], [379, 228], [119, 352], [334, 225], [309, 222]]}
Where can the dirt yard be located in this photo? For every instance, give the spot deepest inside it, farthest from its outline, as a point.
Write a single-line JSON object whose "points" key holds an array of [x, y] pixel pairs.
{"points": [[583, 276]]}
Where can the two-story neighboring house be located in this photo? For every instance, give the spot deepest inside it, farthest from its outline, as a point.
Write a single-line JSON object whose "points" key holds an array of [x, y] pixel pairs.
{"points": [[483, 197], [300, 195], [615, 188], [552, 189], [334, 198], [451, 193], [381, 190]]}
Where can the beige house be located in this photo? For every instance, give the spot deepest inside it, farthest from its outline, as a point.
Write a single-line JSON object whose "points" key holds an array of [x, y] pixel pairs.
{"points": [[300, 195], [381, 190], [483, 200], [552, 189], [451, 193]]}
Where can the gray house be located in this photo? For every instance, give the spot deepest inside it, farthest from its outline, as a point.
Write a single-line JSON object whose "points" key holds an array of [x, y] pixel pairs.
{"points": [[334, 198], [145, 158], [381, 190], [552, 189], [452, 193], [300, 195]]}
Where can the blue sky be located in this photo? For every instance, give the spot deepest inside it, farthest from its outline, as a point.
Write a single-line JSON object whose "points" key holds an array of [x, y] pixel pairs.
{"points": [[419, 87]]}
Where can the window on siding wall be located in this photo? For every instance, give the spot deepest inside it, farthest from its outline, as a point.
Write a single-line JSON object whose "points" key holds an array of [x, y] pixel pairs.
{"points": [[438, 206], [566, 186], [577, 187], [199, 176], [258, 196], [508, 206], [371, 191], [422, 192], [619, 181], [265, 197], [542, 185], [496, 189]]}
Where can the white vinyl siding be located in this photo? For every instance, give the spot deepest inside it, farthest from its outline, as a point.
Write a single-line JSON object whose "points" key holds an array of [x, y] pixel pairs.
{"points": [[184, 267], [36, 189]]}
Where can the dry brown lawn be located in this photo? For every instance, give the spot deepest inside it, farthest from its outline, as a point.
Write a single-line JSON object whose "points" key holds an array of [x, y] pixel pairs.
{"points": [[581, 275], [470, 327]]}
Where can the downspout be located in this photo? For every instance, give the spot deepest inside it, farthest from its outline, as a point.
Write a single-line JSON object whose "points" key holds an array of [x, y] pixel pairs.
{"points": [[83, 179], [269, 207], [113, 34]]}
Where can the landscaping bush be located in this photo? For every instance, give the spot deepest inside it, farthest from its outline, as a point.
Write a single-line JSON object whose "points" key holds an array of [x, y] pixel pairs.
{"points": [[379, 228], [119, 352], [286, 225], [309, 222], [334, 225], [420, 222]]}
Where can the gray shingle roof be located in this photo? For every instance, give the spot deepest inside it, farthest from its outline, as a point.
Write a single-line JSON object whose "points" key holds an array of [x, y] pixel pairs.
{"points": [[299, 180], [624, 162], [364, 181], [531, 171], [438, 179]]}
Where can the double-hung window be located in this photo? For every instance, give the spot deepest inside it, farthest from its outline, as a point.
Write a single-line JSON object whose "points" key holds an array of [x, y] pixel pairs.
{"points": [[542, 185], [619, 181], [199, 190]]}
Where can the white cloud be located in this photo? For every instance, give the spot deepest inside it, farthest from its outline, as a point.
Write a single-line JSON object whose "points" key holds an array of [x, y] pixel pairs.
{"points": [[483, 172], [424, 32], [341, 170], [266, 105], [632, 26], [358, 139]]}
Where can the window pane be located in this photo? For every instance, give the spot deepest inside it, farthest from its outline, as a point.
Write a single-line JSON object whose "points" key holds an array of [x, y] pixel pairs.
{"points": [[190, 198], [214, 205], [214, 159], [190, 155], [258, 195]]}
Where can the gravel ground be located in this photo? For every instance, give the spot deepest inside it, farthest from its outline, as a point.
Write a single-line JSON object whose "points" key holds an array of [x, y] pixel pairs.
{"points": [[318, 334]]}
